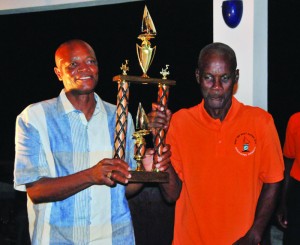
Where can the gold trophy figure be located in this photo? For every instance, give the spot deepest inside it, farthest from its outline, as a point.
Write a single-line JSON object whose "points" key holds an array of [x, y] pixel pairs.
{"points": [[144, 52], [140, 143]]}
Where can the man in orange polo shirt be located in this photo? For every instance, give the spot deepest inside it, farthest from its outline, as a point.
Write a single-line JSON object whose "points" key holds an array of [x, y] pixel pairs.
{"points": [[227, 158], [289, 211]]}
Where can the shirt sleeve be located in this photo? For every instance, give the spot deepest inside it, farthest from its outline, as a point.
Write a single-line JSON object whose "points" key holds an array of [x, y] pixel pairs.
{"points": [[30, 160], [289, 149], [272, 166], [129, 155], [175, 157]]}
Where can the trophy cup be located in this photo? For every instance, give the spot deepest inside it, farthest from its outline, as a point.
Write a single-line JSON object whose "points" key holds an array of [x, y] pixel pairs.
{"points": [[144, 52], [145, 56]]}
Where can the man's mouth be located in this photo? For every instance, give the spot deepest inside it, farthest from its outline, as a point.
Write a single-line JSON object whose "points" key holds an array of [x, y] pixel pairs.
{"points": [[215, 97], [84, 78]]}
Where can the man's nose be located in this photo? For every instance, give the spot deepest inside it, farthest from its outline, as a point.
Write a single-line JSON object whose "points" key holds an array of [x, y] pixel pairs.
{"points": [[217, 84], [83, 67]]}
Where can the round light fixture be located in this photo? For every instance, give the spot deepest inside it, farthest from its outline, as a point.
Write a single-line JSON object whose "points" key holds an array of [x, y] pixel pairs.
{"points": [[232, 11]]}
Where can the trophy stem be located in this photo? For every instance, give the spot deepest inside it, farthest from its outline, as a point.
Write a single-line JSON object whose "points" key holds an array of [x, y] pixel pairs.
{"points": [[145, 75], [140, 147]]}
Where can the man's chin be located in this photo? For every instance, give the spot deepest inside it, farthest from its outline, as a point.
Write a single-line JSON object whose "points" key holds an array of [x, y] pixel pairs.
{"points": [[215, 104], [82, 91]]}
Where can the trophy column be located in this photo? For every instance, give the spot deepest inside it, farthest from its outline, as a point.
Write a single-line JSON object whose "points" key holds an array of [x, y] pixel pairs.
{"points": [[121, 117], [162, 100]]}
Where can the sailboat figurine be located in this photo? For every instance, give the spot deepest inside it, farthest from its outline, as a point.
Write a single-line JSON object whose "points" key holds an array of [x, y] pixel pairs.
{"points": [[145, 52], [147, 23], [141, 120], [142, 130]]}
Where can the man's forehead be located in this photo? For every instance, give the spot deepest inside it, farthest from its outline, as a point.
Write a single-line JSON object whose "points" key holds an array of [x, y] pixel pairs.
{"points": [[72, 53], [215, 65]]}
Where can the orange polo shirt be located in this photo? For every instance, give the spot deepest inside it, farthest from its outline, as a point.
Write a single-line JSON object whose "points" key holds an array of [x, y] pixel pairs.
{"points": [[223, 166], [291, 148]]}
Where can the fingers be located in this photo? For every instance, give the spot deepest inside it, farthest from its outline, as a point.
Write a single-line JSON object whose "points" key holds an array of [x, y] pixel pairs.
{"points": [[159, 117], [164, 161], [283, 224], [282, 221], [161, 108], [110, 171], [109, 180], [155, 106], [119, 170], [169, 114], [149, 151], [148, 159], [109, 174]]}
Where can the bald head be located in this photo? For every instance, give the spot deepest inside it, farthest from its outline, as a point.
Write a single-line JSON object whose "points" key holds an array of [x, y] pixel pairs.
{"points": [[76, 67], [219, 49], [69, 46]]}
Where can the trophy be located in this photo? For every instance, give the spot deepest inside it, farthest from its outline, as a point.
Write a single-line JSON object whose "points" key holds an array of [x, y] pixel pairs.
{"points": [[145, 56]]}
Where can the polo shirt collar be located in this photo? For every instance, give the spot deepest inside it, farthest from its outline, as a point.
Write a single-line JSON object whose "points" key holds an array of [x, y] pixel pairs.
{"points": [[68, 107]]}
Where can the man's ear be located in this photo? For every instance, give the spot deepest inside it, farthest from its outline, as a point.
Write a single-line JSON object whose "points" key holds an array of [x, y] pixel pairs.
{"points": [[197, 73], [237, 75], [57, 72]]}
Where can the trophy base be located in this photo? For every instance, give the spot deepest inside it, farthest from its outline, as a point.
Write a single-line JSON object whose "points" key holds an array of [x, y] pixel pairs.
{"points": [[144, 176]]}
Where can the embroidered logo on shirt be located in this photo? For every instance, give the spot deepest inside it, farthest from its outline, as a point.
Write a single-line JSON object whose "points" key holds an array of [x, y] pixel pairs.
{"points": [[245, 144]]}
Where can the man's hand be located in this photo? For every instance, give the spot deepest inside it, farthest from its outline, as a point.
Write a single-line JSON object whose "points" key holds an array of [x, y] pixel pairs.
{"points": [[159, 117], [251, 238], [281, 216], [106, 172], [109, 171], [264, 210], [162, 162]]}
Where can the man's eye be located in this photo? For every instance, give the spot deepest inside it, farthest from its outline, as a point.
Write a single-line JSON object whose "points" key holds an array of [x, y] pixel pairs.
{"points": [[225, 78], [92, 61], [72, 65], [207, 77]]}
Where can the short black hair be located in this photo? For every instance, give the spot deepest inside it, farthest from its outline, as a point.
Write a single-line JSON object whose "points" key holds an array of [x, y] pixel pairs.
{"points": [[220, 48]]}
